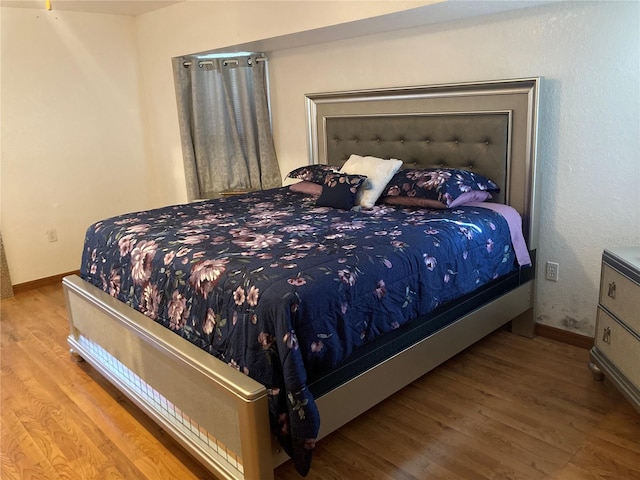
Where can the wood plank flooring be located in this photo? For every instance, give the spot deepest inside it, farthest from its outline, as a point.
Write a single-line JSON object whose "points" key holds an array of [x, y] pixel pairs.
{"points": [[506, 408]]}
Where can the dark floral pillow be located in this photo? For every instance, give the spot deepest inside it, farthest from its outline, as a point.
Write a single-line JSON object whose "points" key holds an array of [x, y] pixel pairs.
{"points": [[444, 185], [340, 190], [312, 173]]}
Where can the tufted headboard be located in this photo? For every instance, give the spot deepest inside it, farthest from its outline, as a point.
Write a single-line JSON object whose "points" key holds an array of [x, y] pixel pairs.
{"points": [[477, 142], [488, 127]]}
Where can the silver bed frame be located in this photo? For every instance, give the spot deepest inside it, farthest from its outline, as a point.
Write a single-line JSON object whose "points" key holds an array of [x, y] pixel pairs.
{"points": [[155, 367]]}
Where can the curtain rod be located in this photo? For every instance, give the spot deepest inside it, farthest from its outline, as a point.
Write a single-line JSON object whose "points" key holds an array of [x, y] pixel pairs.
{"points": [[231, 62]]}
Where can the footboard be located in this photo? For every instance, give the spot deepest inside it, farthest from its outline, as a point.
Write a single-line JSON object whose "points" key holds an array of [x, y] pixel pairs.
{"points": [[222, 418], [220, 415]]}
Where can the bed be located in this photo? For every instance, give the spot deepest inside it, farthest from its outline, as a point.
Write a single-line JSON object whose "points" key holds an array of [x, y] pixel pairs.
{"points": [[222, 415]]}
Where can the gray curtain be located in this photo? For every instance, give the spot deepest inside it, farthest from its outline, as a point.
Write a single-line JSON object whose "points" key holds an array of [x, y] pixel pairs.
{"points": [[225, 127]]}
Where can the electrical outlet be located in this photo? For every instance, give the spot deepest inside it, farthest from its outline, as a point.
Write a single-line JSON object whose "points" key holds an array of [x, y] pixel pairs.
{"points": [[52, 235], [553, 270]]}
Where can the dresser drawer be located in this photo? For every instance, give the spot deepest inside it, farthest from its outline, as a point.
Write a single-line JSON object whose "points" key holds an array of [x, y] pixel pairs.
{"points": [[621, 297], [619, 345]]}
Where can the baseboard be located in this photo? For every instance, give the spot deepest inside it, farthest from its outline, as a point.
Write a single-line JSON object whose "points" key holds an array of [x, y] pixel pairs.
{"points": [[564, 336], [41, 282]]}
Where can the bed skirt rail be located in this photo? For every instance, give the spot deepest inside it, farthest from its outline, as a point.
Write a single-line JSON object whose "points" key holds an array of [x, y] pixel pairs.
{"points": [[383, 380]]}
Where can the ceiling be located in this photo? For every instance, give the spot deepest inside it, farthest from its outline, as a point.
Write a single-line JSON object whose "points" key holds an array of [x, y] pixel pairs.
{"points": [[113, 7]]}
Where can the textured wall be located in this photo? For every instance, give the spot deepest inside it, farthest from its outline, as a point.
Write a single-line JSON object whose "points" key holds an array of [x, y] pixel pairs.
{"points": [[191, 27], [587, 52], [589, 134]]}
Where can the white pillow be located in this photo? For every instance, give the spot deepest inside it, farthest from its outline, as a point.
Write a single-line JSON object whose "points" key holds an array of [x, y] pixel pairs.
{"points": [[378, 172]]}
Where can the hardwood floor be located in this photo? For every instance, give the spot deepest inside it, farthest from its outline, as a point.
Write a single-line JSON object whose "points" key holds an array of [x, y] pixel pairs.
{"points": [[506, 408]]}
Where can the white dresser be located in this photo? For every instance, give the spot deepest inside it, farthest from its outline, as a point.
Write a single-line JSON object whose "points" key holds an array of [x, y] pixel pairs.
{"points": [[616, 352]]}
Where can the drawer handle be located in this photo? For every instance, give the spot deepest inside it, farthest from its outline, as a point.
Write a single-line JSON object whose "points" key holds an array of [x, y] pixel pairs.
{"points": [[606, 335], [612, 290]]}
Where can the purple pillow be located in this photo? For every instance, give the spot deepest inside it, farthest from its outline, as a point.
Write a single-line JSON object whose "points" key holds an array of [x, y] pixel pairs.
{"points": [[340, 190], [443, 185], [472, 196]]}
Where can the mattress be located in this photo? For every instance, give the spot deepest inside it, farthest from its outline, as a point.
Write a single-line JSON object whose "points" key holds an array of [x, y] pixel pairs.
{"points": [[286, 291]]}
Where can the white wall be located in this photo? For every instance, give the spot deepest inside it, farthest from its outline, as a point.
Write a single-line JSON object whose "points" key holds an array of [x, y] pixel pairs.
{"points": [[198, 26], [589, 136], [588, 54], [72, 146]]}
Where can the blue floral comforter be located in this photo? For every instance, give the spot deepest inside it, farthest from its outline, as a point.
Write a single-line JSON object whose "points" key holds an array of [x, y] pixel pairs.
{"points": [[279, 288]]}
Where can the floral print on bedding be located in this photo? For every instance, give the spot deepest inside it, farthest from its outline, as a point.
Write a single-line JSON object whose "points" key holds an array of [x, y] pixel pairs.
{"points": [[281, 289]]}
